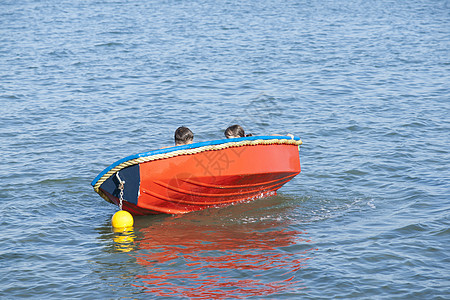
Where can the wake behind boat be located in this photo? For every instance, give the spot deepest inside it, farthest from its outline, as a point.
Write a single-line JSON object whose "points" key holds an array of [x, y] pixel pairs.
{"points": [[193, 177]]}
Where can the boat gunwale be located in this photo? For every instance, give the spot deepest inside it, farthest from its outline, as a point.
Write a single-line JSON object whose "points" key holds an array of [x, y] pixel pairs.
{"points": [[189, 150]]}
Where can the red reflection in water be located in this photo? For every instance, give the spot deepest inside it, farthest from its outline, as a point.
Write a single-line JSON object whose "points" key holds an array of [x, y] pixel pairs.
{"points": [[220, 261]]}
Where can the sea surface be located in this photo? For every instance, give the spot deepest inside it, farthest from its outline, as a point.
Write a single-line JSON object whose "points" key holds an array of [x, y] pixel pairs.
{"points": [[364, 84]]}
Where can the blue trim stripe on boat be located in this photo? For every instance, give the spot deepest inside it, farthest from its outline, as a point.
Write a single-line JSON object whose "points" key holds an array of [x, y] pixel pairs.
{"points": [[186, 147]]}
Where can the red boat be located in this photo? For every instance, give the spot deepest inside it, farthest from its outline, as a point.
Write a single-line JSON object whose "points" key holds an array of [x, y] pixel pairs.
{"points": [[192, 177]]}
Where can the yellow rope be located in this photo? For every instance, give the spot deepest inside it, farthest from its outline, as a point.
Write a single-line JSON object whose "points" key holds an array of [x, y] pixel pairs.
{"points": [[189, 152]]}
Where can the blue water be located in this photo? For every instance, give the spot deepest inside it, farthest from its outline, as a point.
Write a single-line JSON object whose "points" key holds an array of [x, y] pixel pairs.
{"points": [[365, 84]]}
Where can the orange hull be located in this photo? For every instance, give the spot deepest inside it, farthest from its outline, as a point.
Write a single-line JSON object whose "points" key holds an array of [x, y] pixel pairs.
{"points": [[193, 177]]}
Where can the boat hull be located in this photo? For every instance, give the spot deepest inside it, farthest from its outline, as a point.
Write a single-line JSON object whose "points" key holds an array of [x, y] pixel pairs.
{"points": [[198, 178]]}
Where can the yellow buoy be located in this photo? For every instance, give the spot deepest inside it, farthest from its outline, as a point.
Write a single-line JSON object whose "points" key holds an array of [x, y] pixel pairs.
{"points": [[122, 219]]}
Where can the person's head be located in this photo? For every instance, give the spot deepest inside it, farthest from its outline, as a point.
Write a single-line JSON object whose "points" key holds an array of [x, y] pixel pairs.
{"points": [[234, 131], [183, 136]]}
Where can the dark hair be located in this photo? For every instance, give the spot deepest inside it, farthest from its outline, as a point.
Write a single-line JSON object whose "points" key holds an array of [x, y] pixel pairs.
{"points": [[234, 131], [183, 135]]}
